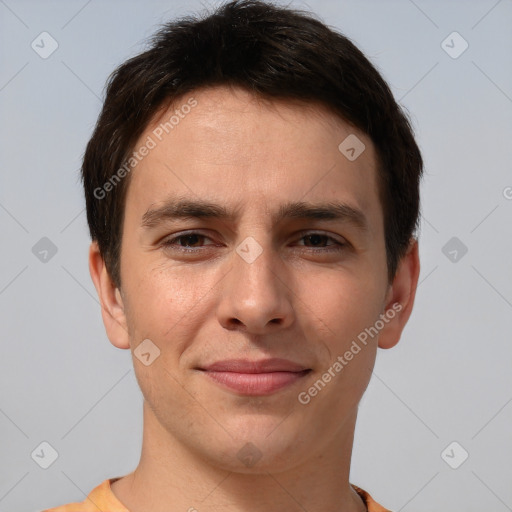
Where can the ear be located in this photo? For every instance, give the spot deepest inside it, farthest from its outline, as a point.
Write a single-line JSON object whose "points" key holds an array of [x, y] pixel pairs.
{"points": [[112, 307], [400, 297]]}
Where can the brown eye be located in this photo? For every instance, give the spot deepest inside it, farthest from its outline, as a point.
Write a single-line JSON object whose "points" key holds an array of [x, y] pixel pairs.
{"points": [[317, 240], [321, 241], [187, 242]]}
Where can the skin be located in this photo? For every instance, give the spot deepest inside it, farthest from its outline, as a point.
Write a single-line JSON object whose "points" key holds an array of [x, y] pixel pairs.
{"points": [[296, 301]]}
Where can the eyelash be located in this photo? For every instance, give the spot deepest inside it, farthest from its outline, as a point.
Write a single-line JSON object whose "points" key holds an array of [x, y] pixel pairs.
{"points": [[170, 242]]}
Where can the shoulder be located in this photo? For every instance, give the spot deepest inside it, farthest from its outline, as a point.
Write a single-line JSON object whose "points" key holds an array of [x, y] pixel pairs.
{"points": [[371, 504], [101, 497]]}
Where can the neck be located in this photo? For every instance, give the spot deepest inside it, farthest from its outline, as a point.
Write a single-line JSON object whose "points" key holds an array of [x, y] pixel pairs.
{"points": [[170, 475]]}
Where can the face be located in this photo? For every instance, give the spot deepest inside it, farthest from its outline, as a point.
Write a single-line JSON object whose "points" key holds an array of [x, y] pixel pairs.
{"points": [[248, 235]]}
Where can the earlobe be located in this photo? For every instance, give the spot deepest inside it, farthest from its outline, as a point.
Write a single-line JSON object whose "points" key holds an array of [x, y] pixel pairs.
{"points": [[400, 297], [112, 306]]}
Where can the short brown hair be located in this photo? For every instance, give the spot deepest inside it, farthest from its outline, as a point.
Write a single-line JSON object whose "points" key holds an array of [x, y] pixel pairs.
{"points": [[275, 53]]}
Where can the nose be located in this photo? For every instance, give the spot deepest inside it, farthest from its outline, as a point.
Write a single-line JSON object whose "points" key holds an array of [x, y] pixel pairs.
{"points": [[256, 296]]}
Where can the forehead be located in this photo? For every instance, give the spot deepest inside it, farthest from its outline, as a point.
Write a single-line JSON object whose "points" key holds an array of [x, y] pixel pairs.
{"points": [[227, 146]]}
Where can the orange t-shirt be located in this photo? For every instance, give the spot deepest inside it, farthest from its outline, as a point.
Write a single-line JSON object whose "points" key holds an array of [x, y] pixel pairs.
{"points": [[102, 498]]}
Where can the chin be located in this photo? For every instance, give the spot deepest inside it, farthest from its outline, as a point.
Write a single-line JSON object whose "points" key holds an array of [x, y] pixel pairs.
{"points": [[262, 446]]}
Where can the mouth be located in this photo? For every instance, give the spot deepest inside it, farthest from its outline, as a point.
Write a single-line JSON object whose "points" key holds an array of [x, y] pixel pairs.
{"points": [[255, 378]]}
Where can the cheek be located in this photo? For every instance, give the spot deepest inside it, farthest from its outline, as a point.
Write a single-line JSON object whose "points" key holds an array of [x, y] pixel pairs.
{"points": [[340, 310], [167, 307], [167, 303], [341, 305], [161, 303]]}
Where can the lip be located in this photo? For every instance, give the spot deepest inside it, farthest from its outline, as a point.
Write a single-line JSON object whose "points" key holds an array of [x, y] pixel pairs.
{"points": [[256, 378], [261, 366]]}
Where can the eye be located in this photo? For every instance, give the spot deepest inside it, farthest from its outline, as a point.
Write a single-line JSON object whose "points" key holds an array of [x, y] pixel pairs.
{"points": [[187, 242], [194, 242], [318, 241]]}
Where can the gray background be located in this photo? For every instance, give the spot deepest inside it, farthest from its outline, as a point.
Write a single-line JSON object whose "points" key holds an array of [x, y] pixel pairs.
{"points": [[448, 379]]}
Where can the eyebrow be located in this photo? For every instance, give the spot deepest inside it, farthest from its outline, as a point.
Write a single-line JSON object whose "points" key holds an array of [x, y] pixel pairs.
{"points": [[174, 209]]}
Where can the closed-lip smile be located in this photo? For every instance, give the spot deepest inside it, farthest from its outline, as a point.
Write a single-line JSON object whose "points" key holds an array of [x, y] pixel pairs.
{"points": [[259, 378]]}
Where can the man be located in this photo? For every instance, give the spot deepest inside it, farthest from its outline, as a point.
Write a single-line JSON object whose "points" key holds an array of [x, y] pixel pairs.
{"points": [[252, 196]]}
